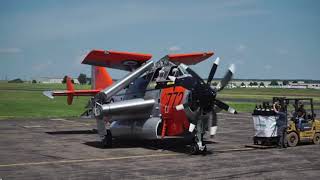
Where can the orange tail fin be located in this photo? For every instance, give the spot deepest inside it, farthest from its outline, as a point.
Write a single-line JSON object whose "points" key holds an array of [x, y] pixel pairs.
{"points": [[100, 78], [70, 88]]}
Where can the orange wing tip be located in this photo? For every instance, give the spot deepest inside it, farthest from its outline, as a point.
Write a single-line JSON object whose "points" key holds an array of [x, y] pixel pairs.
{"points": [[196, 54], [190, 58]]}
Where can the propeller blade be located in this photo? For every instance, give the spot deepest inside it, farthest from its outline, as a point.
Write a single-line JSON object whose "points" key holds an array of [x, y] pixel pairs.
{"points": [[212, 123], [225, 106], [192, 73], [191, 127], [226, 78], [186, 81], [213, 70], [193, 116]]}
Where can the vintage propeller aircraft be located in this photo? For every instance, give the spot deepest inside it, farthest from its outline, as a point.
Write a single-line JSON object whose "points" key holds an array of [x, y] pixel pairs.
{"points": [[155, 100]]}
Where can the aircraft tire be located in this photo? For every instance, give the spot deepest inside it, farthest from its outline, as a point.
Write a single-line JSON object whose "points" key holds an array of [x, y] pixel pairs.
{"points": [[194, 149]]}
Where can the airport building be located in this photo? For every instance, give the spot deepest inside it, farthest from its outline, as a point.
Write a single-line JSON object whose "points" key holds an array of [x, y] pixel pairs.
{"points": [[256, 83], [54, 80]]}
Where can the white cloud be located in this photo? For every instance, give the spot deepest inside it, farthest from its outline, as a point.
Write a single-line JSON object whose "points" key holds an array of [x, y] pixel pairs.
{"points": [[267, 67], [42, 67], [10, 50], [241, 48], [174, 48]]}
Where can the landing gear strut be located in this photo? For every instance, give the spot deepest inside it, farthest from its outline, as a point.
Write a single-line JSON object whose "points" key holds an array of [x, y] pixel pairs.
{"points": [[107, 140], [198, 146]]}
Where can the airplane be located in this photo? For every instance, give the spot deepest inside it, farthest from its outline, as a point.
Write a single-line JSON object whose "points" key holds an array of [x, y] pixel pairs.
{"points": [[155, 100]]}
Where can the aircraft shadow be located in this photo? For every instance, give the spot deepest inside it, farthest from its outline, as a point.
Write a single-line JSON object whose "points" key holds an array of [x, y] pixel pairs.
{"points": [[174, 145], [93, 131]]}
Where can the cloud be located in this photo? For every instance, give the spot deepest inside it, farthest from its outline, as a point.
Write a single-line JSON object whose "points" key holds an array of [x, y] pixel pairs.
{"points": [[174, 48], [241, 48], [10, 50], [267, 67], [42, 67]]}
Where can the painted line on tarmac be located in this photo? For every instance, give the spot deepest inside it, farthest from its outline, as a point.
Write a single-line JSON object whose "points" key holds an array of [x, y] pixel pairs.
{"points": [[235, 149], [86, 160], [114, 158], [69, 121], [35, 126]]}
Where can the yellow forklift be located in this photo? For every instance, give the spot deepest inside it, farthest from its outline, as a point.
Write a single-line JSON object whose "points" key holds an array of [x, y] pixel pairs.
{"points": [[309, 128]]}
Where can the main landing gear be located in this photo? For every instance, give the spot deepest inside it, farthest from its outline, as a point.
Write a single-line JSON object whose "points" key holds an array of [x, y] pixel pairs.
{"points": [[107, 140], [197, 146]]}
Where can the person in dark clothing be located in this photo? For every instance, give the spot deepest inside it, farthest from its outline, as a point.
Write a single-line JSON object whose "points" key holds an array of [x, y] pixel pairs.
{"points": [[281, 123], [301, 115]]}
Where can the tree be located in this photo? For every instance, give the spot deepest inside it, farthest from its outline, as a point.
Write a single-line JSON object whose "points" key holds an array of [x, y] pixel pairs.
{"points": [[242, 84], [294, 81], [214, 84], [251, 84], [82, 78], [34, 81], [274, 83], [285, 82], [255, 83], [64, 80], [261, 84]]}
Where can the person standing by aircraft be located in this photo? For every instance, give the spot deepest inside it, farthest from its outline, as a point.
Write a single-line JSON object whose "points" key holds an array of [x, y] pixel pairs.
{"points": [[281, 124]]}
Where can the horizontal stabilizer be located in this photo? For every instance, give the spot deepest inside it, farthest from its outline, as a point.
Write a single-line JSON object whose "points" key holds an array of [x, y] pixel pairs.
{"points": [[49, 94]]}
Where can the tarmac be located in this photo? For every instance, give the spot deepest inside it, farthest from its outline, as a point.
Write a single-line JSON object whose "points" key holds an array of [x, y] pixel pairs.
{"points": [[69, 149]]}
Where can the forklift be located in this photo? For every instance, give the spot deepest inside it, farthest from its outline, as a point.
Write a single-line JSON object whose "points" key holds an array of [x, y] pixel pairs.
{"points": [[309, 128]]}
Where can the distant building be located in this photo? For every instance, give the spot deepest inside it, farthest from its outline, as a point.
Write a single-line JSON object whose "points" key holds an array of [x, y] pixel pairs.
{"points": [[256, 83], [54, 80]]}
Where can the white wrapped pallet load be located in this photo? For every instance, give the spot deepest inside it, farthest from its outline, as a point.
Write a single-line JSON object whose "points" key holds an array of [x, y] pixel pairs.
{"points": [[265, 126]]}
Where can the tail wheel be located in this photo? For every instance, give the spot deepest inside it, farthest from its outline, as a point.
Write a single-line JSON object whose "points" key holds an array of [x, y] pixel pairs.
{"points": [[293, 139], [316, 138]]}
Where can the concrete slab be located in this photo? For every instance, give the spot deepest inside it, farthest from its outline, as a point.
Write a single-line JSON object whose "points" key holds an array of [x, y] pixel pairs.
{"points": [[69, 149]]}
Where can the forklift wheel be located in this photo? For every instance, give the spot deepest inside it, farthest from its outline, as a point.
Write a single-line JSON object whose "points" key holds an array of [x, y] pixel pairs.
{"points": [[316, 138], [293, 139]]}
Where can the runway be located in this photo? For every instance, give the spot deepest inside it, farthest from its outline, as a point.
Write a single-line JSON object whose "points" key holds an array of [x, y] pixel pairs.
{"points": [[69, 149]]}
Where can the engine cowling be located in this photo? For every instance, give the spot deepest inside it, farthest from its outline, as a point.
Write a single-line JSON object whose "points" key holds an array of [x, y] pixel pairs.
{"points": [[141, 129]]}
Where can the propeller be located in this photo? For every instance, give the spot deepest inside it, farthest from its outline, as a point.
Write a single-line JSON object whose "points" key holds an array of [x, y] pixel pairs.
{"points": [[203, 97]]}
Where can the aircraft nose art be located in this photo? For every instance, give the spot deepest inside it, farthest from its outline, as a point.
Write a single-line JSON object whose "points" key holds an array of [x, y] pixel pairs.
{"points": [[116, 59]]}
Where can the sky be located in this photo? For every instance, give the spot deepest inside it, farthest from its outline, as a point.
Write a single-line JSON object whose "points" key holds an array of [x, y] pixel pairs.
{"points": [[265, 39]]}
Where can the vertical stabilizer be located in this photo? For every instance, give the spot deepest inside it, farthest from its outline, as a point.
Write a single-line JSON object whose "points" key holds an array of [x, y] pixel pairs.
{"points": [[100, 78], [70, 88]]}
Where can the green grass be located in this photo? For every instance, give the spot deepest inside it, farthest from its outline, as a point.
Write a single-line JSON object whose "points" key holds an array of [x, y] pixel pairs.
{"points": [[242, 106], [26, 100], [266, 94], [39, 87]]}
